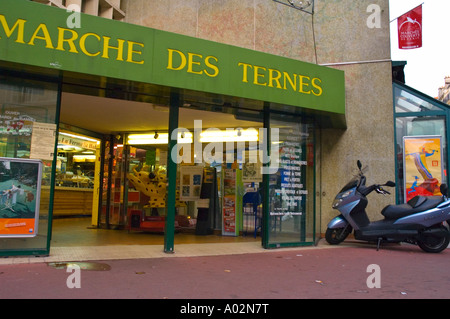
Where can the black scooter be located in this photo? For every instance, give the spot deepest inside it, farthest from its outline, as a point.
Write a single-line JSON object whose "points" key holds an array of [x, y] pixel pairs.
{"points": [[420, 221]]}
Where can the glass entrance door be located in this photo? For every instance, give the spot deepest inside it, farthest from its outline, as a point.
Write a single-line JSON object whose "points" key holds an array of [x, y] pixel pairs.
{"points": [[112, 213], [290, 215]]}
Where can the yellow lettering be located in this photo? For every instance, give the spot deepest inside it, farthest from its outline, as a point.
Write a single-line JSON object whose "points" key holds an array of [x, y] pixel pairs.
{"points": [[302, 84], [191, 62], [275, 78], [258, 75], [83, 43], [106, 48], [70, 41], [211, 66], [245, 73], [293, 83], [317, 86], [170, 61], [131, 51], [20, 23], [46, 36]]}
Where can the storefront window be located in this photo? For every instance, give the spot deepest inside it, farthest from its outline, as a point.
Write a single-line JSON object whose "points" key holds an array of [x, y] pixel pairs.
{"points": [[219, 171], [408, 102], [27, 131], [113, 208], [147, 184], [76, 175], [76, 160], [291, 189], [418, 119], [134, 185]]}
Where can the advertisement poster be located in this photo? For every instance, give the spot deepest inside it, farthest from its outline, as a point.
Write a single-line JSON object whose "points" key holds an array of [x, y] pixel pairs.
{"points": [[423, 171], [43, 141], [232, 202], [20, 184], [190, 182], [251, 169]]}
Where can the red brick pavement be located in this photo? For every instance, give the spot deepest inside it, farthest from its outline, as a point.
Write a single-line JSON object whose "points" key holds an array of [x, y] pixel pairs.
{"points": [[405, 272]]}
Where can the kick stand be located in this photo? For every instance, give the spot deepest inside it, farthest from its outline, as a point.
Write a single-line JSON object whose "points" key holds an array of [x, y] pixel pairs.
{"points": [[379, 243]]}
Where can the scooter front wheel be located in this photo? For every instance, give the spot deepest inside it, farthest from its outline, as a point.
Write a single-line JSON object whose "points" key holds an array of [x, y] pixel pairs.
{"points": [[335, 236]]}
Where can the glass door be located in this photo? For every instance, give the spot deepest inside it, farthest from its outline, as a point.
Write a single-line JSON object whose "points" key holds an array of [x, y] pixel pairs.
{"points": [[290, 213], [112, 213]]}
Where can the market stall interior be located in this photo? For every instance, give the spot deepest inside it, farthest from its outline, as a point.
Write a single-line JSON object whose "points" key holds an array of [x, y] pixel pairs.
{"points": [[111, 171]]}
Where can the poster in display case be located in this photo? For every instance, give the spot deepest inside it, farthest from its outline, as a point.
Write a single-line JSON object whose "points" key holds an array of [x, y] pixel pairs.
{"points": [[423, 170], [20, 185]]}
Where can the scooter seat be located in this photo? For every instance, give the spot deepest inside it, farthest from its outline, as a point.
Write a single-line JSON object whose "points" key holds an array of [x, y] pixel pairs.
{"points": [[415, 205]]}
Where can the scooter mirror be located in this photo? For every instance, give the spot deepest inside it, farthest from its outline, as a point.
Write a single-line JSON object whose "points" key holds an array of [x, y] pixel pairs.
{"points": [[390, 184], [359, 164]]}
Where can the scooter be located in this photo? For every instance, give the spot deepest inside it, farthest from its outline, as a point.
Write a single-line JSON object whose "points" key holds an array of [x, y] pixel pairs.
{"points": [[420, 221]]}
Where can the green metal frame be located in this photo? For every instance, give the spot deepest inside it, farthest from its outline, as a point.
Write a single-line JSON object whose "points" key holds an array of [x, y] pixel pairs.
{"points": [[52, 185], [169, 232], [31, 251], [266, 204], [266, 181], [444, 111]]}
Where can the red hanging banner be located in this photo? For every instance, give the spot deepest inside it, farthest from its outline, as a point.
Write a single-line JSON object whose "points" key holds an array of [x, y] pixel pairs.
{"points": [[410, 29]]}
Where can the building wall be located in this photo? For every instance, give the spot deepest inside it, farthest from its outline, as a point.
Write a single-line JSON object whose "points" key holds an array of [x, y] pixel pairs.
{"points": [[110, 9], [341, 39], [444, 91]]}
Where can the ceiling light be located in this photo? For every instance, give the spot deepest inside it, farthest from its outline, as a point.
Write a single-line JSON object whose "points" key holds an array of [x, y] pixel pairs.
{"points": [[158, 138], [80, 137], [211, 136]]}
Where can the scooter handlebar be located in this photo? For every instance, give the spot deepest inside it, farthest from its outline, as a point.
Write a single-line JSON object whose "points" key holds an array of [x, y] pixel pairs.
{"points": [[382, 191], [378, 188]]}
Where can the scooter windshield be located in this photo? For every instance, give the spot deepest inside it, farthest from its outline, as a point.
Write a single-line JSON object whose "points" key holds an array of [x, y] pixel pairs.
{"points": [[351, 184]]}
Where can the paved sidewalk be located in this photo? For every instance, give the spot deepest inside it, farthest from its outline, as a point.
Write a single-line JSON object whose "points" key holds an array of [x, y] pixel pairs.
{"points": [[322, 272]]}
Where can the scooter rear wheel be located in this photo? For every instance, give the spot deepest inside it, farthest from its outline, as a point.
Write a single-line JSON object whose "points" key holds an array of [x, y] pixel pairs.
{"points": [[336, 236], [435, 244]]}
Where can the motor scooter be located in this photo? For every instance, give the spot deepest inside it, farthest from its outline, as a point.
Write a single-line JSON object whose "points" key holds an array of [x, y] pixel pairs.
{"points": [[422, 221]]}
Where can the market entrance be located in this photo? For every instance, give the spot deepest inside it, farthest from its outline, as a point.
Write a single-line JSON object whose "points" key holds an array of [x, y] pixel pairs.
{"points": [[126, 174]]}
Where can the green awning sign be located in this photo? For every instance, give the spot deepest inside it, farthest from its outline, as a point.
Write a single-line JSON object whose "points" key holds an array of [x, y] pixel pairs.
{"points": [[39, 35]]}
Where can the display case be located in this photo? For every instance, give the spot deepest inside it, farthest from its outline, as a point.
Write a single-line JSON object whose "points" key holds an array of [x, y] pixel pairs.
{"points": [[75, 172]]}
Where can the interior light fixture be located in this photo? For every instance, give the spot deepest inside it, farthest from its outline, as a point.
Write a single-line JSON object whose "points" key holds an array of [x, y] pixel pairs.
{"points": [[85, 138], [208, 136], [69, 148], [211, 136], [82, 158], [158, 138]]}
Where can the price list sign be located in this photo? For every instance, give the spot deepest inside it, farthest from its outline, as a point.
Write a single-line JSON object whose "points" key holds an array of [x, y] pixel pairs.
{"points": [[289, 196]]}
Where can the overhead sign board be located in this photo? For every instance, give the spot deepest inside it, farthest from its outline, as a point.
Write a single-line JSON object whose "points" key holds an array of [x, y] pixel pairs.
{"points": [[116, 49]]}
